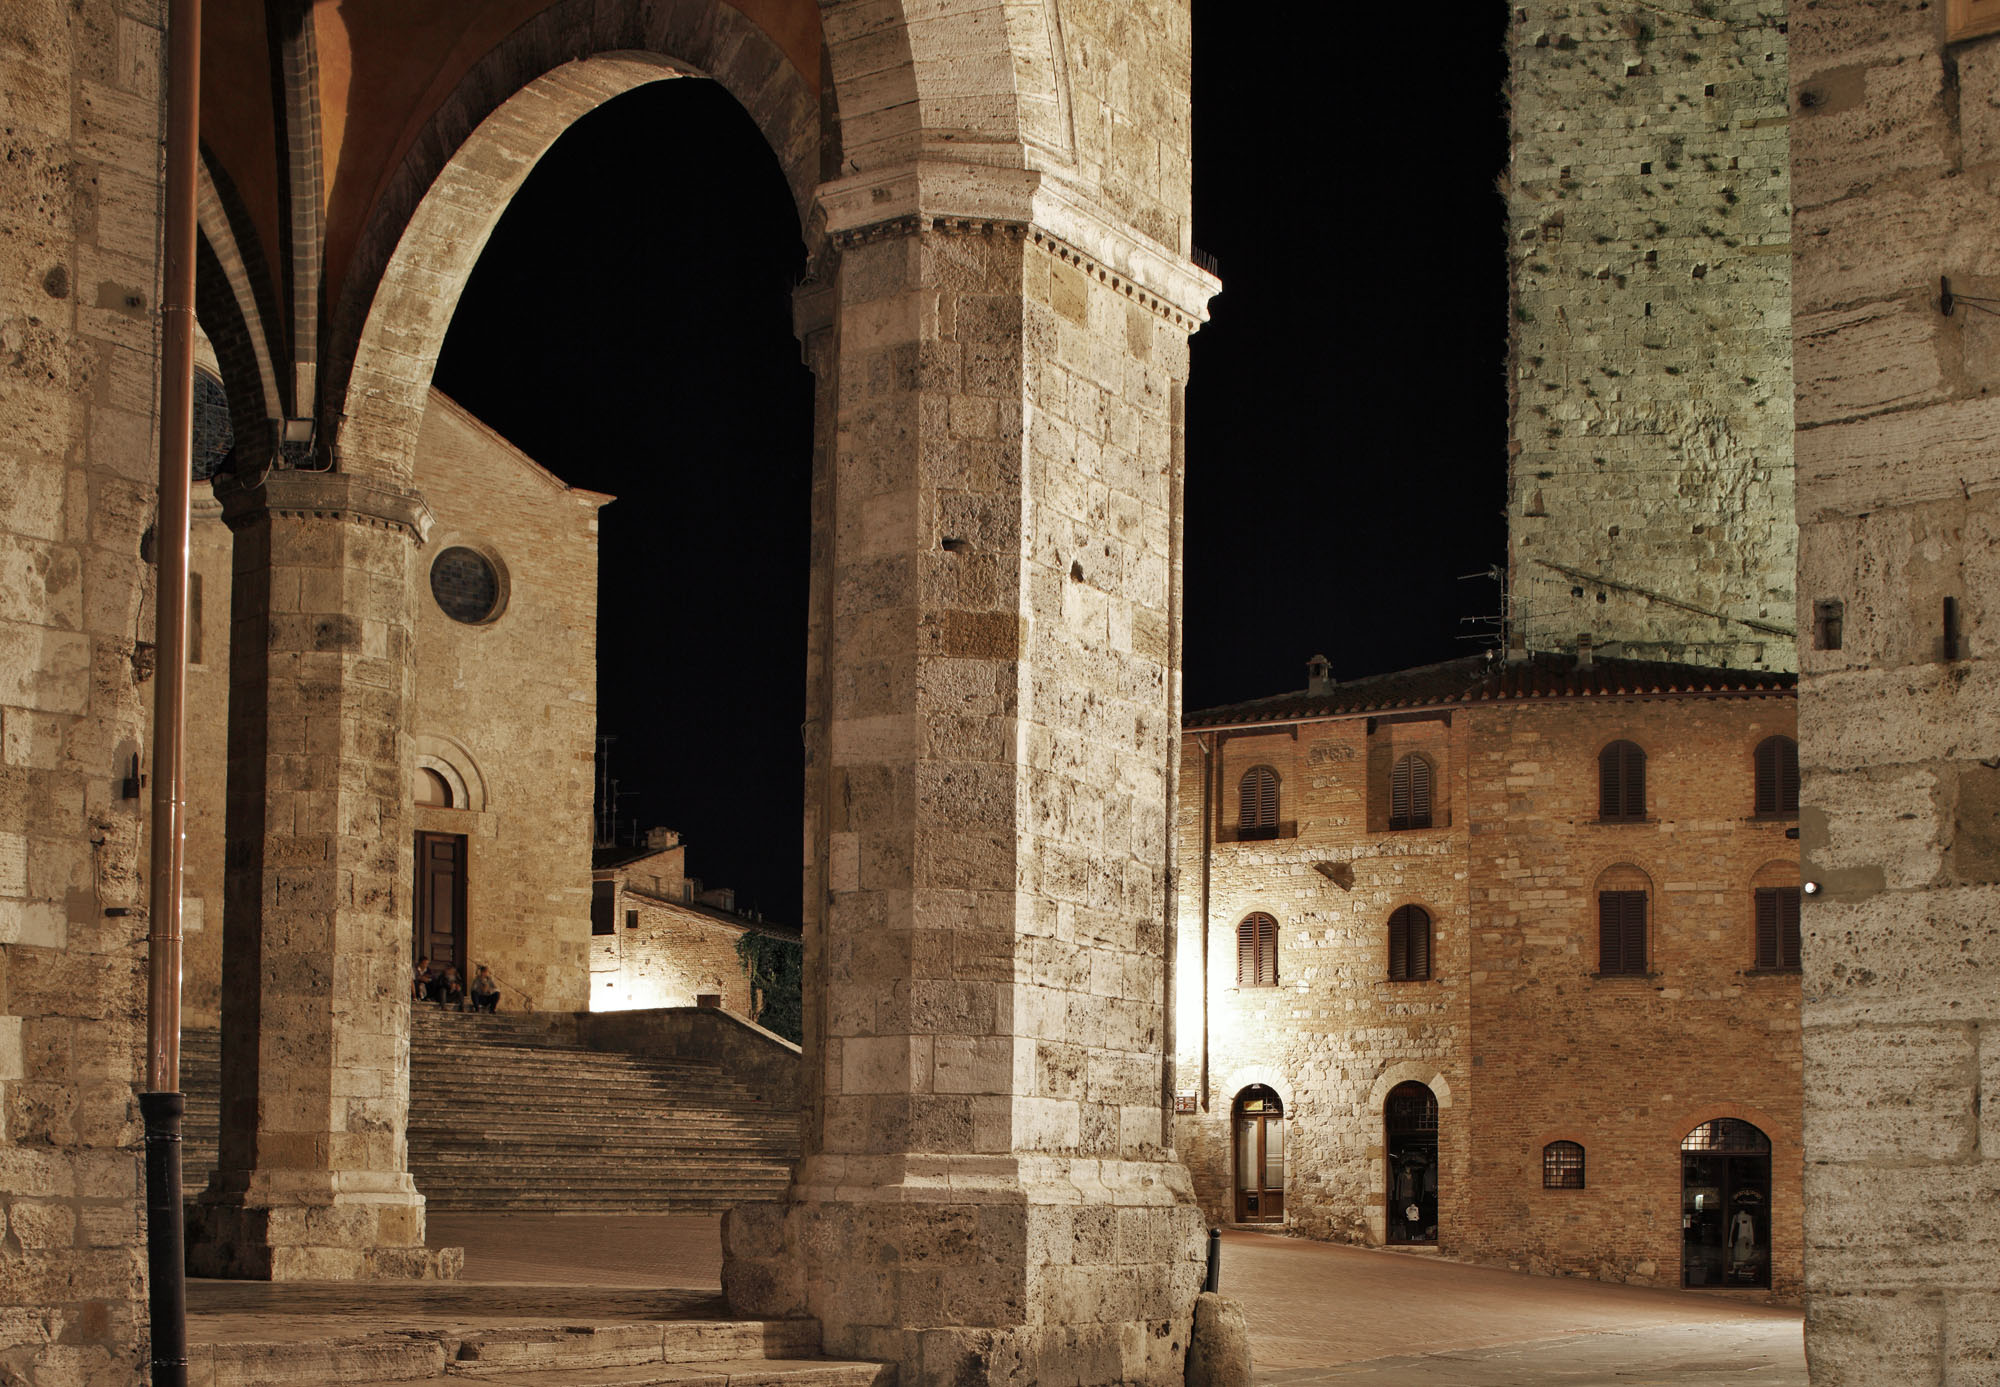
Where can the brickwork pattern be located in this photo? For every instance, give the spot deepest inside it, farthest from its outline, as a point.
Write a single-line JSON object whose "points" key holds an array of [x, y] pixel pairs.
{"points": [[1650, 477], [78, 387], [1896, 145], [1516, 1038]]}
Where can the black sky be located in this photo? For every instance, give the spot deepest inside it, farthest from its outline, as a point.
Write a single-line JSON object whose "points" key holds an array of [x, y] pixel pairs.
{"points": [[629, 327]]}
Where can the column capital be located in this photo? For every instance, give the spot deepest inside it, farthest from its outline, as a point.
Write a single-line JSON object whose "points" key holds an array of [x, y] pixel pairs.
{"points": [[936, 195], [376, 502]]}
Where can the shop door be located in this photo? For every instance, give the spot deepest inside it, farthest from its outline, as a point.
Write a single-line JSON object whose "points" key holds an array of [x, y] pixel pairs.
{"points": [[1410, 1118], [440, 901], [1726, 1205], [1260, 1156]]}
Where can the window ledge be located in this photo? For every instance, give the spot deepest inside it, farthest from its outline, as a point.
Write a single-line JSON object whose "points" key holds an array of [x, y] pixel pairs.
{"points": [[1619, 822], [1789, 816], [1625, 977], [1790, 971], [1398, 982]]}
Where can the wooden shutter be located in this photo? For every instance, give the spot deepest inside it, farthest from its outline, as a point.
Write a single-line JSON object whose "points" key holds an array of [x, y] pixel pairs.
{"points": [[1409, 944], [1621, 931], [1410, 793], [1621, 782], [1777, 927], [1257, 951], [1777, 776], [1258, 814]]}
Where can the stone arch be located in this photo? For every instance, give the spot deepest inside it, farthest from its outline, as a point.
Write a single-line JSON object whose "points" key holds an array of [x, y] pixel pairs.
{"points": [[229, 275], [1250, 1075], [427, 230], [1408, 1071], [451, 759]]}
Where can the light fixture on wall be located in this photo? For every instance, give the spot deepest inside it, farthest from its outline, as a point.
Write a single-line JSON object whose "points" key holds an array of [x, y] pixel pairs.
{"points": [[1811, 888]]}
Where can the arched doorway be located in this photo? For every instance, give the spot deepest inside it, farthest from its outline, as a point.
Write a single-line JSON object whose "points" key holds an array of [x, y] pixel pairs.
{"points": [[1726, 1205], [1410, 1122], [1258, 1122]]}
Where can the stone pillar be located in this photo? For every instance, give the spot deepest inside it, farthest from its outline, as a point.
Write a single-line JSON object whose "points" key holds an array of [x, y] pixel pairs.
{"points": [[985, 1196], [312, 1180]]}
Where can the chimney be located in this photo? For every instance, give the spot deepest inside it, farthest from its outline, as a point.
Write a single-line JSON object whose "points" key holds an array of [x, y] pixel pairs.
{"points": [[659, 838], [1583, 652], [1319, 675]]}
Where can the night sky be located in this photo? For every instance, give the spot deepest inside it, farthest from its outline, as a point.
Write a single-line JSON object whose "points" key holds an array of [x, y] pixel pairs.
{"points": [[629, 326]]}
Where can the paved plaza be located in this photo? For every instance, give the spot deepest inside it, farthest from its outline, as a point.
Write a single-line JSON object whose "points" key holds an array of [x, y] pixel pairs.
{"points": [[1318, 1313]]}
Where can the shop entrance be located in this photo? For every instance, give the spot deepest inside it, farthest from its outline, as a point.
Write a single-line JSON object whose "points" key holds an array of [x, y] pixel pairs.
{"points": [[1726, 1205], [440, 901], [1411, 1119], [1259, 1122]]}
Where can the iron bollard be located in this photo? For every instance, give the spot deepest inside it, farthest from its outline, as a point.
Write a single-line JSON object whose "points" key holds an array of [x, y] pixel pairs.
{"points": [[1214, 1281]]}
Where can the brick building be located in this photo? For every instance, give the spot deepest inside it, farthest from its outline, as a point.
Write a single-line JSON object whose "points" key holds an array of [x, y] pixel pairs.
{"points": [[660, 939], [1512, 944]]}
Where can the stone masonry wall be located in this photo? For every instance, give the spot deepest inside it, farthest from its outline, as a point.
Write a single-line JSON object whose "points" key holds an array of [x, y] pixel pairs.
{"points": [[517, 696], [1896, 161], [1625, 1066], [665, 954], [1335, 1034], [509, 707], [79, 179], [1649, 362]]}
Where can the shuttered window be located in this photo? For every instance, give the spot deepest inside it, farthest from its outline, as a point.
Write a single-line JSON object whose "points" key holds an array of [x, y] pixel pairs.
{"points": [[1409, 944], [1777, 776], [1562, 1166], [1259, 816], [1410, 793], [1777, 927], [1257, 951], [1621, 783], [1621, 932]]}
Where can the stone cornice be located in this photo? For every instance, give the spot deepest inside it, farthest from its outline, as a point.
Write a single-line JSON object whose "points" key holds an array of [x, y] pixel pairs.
{"points": [[978, 199], [348, 496]]}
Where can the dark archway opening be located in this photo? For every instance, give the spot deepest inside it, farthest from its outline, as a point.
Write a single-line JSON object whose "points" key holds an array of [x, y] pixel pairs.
{"points": [[1726, 1205], [629, 327], [1410, 1122]]}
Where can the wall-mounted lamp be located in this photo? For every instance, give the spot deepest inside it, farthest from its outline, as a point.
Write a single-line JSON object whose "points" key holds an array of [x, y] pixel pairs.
{"points": [[1811, 888], [297, 439]]}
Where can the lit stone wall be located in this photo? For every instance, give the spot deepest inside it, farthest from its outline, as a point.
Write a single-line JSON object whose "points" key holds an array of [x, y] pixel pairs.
{"points": [[1334, 1025], [508, 709], [79, 171], [1650, 465], [662, 953], [1896, 152]]}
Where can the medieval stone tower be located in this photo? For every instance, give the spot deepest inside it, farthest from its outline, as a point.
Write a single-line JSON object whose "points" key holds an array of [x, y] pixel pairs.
{"points": [[1650, 452]]}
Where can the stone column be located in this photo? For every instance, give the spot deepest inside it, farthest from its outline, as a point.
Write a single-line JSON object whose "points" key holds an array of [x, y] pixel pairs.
{"points": [[312, 1180], [985, 1195]]}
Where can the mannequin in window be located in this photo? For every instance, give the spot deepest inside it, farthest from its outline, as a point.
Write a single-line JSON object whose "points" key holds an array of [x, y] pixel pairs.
{"points": [[1742, 1238]]}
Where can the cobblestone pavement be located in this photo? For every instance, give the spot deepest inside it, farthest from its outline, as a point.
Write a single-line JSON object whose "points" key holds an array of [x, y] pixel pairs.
{"points": [[1318, 1313]]}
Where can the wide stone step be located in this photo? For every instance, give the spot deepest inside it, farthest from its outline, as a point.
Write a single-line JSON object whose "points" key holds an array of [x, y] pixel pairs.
{"points": [[687, 1353]]}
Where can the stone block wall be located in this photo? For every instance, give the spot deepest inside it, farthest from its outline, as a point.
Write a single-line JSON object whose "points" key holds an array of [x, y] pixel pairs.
{"points": [[1651, 492], [664, 953], [1624, 1066], [1335, 1034], [1896, 152], [79, 179], [506, 711]]}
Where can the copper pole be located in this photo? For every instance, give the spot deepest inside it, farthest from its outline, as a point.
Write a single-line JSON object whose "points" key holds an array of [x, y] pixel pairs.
{"points": [[161, 1101]]}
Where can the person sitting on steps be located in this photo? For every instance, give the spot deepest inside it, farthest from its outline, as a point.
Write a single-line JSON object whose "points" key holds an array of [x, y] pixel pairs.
{"points": [[426, 978], [449, 990], [485, 991]]}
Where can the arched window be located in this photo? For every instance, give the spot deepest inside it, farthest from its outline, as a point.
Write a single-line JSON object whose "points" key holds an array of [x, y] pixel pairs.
{"points": [[1562, 1166], [1410, 1120], [1726, 1213], [433, 789], [1409, 944], [1778, 776], [1621, 783], [1410, 793], [1260, 1155], [1621, 922], [1257, 951], [1259, 816]]}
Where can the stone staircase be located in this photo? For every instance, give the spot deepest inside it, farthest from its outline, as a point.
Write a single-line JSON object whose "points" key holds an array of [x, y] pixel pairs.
{"points": [[510, 1113]]}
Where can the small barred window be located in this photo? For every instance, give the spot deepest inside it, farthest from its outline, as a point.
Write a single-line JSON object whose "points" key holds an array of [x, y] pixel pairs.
{"points": [[1562, 1166]]}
